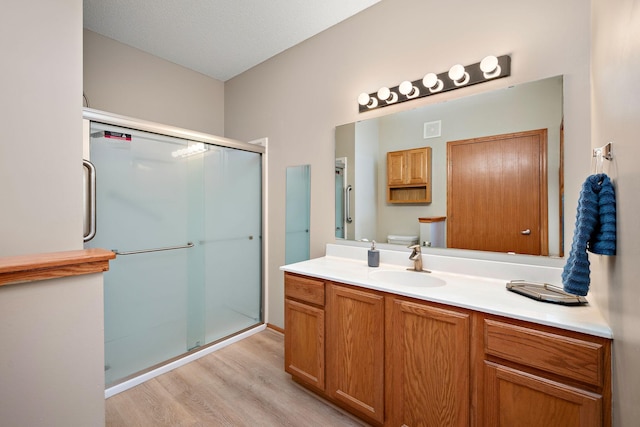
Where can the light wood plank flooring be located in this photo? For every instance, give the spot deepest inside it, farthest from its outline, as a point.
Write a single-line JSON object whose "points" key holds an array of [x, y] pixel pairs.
{"points": [[243, 384]]}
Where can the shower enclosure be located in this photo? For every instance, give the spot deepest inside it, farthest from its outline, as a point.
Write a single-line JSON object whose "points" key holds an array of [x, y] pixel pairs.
{"points": [[183, 212]]}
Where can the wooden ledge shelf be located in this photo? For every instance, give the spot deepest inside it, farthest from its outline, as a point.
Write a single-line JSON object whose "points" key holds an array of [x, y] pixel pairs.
{"points": [[426, 220], [28, 268]]}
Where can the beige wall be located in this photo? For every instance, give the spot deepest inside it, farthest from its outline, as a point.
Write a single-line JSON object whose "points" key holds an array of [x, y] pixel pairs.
{"points": [[615, 113], [51, 356], [123, 80], [40, 149], [298, 97], [52, 353]]}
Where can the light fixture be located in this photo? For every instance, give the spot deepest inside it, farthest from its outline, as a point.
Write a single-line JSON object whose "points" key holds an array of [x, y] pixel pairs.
{"points": [[407, 89], [457, 77], [385, 94], [490, 67], [432, 82], [191, 150], [367, 101]]}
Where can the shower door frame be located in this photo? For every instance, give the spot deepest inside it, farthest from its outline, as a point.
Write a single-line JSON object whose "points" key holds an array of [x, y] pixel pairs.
{"points": [[98, 116]]}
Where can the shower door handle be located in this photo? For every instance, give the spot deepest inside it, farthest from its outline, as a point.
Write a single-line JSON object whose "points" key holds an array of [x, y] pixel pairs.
{"points": [[144, 251], [89, 201], [347, 204]]}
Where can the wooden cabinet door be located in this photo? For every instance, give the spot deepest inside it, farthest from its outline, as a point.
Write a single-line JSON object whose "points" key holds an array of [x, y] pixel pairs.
{"points": [[429, 348], [355, 349], [517, 398], [395, 167], [304, 355], [417, 166], [408, 167]]}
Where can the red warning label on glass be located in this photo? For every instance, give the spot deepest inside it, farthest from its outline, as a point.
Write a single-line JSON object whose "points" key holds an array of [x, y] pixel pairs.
{"points": [[117, 135]]}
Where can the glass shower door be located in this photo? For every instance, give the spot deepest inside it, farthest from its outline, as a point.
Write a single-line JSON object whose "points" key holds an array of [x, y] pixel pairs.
{"points": [[185, 220], [141, 210], [232, 244]]}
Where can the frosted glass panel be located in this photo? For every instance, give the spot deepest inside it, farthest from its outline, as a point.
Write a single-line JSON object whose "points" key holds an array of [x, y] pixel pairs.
{"points": [[161, 304], [141, 204], [298, 210], [233, 240]]}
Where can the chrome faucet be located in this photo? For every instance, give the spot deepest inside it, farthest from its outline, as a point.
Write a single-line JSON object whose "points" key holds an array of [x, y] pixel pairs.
{"points": [[416, 257]]}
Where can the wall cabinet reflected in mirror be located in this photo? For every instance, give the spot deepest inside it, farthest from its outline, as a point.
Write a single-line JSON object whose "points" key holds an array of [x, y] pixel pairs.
{"points": [[364, 145], [409, 176]]}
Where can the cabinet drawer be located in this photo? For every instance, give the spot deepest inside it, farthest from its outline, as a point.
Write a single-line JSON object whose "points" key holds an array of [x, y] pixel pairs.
{"points": [[569, 357], [304, 289]]}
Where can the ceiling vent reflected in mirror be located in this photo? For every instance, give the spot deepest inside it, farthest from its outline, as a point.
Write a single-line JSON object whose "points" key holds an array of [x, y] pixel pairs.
{"points": [[458, 76], [432, 129]]}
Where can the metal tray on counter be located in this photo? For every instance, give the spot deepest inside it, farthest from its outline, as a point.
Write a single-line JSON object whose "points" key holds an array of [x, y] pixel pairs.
{"points": [[545, 292]]}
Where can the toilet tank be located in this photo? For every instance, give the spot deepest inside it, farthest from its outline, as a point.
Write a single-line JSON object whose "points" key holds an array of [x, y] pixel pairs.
{"points": [[395, 239], [432, 231]]}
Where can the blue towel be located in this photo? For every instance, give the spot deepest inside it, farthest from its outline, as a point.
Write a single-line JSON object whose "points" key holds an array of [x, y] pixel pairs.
{"points": [[595, 231]]}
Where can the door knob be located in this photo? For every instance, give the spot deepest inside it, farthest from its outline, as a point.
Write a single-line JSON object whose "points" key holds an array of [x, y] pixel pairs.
{"points": [[525, 232]]}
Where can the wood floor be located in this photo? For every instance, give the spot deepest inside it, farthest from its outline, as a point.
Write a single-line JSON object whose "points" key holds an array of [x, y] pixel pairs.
{"points": [[243, 384]]}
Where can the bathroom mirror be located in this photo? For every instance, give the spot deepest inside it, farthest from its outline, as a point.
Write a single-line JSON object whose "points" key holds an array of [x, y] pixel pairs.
{"points": [[362, 146], [298, 213]]}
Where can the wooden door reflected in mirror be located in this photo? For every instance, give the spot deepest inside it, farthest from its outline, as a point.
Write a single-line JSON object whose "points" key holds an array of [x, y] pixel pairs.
{"points": [[497, 188]]}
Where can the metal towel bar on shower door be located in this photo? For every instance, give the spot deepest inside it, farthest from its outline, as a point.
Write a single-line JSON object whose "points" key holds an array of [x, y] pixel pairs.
{"points": [[143, 251], [90, 201]]}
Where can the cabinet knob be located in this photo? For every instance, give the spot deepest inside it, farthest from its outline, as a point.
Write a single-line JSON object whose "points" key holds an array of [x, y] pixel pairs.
{"points": [[525, 232]]}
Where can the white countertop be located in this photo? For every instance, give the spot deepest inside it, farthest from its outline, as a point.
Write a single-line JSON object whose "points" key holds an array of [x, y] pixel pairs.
{"points": [[475, 292]]}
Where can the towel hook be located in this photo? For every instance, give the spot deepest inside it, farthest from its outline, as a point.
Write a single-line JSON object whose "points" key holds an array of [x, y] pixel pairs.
{"points": [[605, 151], [602, 153]]}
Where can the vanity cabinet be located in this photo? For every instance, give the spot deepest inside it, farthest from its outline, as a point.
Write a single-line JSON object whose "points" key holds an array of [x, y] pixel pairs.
{"points": [[399, 361], [409, 176], [304, 319], [538, 376], [355, 349]]}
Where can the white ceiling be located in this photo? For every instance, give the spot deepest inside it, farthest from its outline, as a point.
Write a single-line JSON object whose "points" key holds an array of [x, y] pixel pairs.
{"points": [[218, 38]]}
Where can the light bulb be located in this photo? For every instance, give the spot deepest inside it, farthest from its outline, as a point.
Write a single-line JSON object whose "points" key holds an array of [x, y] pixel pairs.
{"points": [[408, 89], [456, 72], [458, 75], [432, 82], [365, 100], [489, 66], [385, 94]]}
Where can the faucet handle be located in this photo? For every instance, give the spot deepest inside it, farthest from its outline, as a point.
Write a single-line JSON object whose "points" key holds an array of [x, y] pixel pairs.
{"points": [[414, 247]]}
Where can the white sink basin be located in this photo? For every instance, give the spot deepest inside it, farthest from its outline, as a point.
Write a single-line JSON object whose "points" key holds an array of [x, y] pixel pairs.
{"points": [[406, 278]]}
